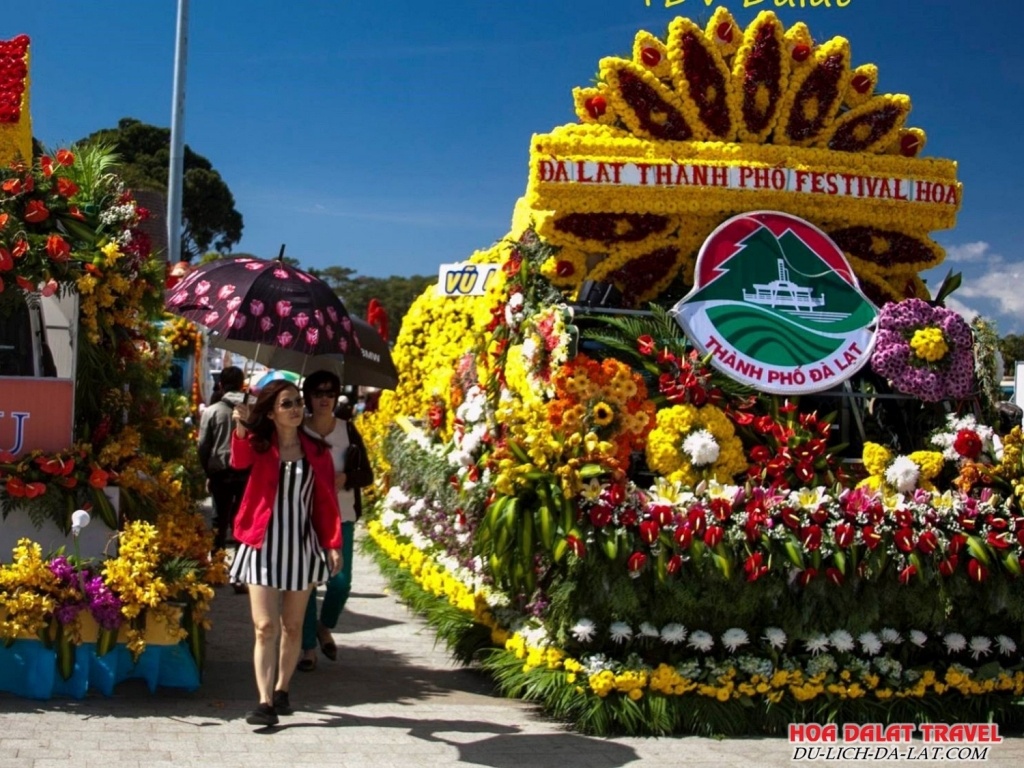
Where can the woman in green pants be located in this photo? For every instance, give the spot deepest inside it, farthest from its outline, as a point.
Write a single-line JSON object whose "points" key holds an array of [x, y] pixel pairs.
{"points": [[321, 390]]}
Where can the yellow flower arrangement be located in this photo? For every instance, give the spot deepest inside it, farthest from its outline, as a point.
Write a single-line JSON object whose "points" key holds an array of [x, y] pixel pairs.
{"points": [[929, 344], [899, 474], [665, 445]]}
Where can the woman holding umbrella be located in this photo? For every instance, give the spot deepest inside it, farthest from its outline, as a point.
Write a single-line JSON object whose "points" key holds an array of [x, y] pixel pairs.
{"points": [[289, 529]]}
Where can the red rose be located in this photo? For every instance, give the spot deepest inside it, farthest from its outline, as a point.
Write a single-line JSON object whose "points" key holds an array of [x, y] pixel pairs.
{"points": [[967, 444]]}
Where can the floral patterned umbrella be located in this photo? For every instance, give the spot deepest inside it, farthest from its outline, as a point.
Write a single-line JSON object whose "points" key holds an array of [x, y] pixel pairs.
{"points": [[268, 303], [369, 366]]}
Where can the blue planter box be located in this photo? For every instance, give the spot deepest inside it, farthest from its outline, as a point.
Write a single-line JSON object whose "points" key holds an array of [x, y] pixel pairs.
{"points": [[28, 668]]}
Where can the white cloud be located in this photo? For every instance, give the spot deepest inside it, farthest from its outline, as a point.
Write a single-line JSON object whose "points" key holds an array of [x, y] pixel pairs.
{"points": [[972, 252], [1003, 286]]}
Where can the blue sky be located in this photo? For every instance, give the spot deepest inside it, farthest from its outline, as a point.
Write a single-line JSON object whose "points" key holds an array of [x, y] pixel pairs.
{"points": [[390, 136]]}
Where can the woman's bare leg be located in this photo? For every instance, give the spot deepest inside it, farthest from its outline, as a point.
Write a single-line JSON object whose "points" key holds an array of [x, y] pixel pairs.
{"points": [[266, 620], [293, 611]]}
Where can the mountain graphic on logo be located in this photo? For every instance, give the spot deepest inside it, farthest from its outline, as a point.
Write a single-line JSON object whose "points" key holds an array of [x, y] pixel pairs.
{"points": [[776, 292]]}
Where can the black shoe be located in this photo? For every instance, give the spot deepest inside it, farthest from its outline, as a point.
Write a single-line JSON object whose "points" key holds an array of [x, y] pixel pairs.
{"points": [[264, 715], [281, 703]]}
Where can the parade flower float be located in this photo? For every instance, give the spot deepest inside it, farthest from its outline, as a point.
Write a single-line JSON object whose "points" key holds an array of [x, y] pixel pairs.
{"points": [[652, 527], [69, 226]]}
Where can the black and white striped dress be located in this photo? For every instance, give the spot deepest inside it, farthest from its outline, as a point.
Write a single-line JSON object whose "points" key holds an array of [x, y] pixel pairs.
{"points": [[291, 556]]}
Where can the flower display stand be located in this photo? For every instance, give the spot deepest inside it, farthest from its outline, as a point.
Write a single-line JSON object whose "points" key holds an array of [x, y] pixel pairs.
{"points": [[29, 667]]}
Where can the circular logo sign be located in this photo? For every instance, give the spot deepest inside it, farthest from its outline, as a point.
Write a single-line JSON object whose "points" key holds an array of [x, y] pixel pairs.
{"points": [[777, 306]]}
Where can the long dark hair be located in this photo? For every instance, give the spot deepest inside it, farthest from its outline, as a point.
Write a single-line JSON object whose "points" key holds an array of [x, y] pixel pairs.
{"points": [[260, 425]]}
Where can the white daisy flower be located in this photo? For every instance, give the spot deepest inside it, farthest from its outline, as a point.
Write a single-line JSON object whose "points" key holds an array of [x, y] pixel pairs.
{"points": [[734, 638], [842, 641], [649, 630], [890, 636], [776, 637], [902, 474], [584, 630], [817, 644], [918, 638], [701, 447], [955, 642], [701, 641], [620, 631], [980, 646], [1006, 645], [673, 633], [870, 643]]}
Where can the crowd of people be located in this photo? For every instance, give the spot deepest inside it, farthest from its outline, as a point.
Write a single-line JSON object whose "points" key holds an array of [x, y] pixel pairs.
{"points": [[284, 473]]}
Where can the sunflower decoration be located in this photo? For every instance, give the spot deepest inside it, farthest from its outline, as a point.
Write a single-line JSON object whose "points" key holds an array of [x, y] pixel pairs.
{"points": [[691, 444], [605, 398]]}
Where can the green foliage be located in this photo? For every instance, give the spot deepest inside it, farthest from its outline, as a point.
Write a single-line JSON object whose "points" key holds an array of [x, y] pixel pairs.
{"points": [[208, 207], [395, 294]]}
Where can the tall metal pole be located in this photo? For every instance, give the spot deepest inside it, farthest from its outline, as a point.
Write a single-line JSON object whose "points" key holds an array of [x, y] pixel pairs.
{"points": [[177, 166]]}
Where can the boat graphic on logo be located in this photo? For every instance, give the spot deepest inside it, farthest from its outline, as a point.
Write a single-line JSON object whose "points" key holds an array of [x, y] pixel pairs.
{"points": [[777, 306]]}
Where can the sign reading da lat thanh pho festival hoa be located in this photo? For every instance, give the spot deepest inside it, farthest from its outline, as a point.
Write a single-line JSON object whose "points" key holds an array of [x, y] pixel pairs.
{"points": [[777, 306]]}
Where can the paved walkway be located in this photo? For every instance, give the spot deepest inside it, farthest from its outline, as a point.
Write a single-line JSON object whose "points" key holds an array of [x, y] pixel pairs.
{"points": [[391, 699]]}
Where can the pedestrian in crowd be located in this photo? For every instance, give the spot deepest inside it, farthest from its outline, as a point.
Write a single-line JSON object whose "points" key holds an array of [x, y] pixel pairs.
{"points": [[289, 529], [224, 484], [351, 472]]}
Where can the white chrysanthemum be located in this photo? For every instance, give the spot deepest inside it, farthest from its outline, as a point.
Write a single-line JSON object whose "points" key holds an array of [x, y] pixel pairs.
{"points": [[734, 638], [902, 474], [776, 638], [842, 641], [584, 630], [620, 631], [396, 497], [817, 644], [918, 638], [980, 646], [870, 643], [649, 630], [701, 641], [890, 636], [701, 447], [955, 642], [1006, 645], [673, 633]]}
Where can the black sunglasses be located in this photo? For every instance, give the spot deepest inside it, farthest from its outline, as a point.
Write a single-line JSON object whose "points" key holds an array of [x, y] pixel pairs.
{"points": [[325, 393], [287, 405]]}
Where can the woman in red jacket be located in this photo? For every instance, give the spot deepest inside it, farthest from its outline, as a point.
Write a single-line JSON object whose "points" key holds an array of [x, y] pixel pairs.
{"points": [[289, 529]]}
